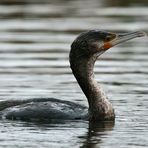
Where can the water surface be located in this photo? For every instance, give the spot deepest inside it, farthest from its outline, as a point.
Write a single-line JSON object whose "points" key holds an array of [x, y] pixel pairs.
{"points": [[35, 38]]}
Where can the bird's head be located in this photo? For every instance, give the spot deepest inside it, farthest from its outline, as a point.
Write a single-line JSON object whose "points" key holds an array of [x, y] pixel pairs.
{"points": [[95, 42]]}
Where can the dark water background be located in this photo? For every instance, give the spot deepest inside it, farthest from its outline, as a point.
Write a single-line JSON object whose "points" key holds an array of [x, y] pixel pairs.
{"points": [[35, 38]]}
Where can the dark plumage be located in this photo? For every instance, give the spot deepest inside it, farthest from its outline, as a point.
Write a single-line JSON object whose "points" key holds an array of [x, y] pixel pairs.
{"points": [[85, 50]]}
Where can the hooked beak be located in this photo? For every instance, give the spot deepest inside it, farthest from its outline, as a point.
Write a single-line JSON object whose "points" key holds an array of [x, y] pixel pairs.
{"points": [[122, 38]]}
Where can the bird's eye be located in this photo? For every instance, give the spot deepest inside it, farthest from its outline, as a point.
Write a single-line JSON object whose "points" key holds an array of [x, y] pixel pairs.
{"points": [[108, 38]]}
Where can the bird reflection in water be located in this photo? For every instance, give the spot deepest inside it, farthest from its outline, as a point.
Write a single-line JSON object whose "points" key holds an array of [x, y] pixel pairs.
{"points": [[93, 138]]}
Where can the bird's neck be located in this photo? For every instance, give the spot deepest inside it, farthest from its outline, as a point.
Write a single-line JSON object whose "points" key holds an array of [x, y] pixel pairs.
{"points": [[99, 106], [84, 73]]}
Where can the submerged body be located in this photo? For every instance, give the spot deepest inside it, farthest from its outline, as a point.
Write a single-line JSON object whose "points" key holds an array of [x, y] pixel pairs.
{"points": [[85, 50], [44, 109]]}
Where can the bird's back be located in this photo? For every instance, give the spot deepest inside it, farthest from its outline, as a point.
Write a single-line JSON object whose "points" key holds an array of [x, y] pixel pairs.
{"points": [[48, 109]]}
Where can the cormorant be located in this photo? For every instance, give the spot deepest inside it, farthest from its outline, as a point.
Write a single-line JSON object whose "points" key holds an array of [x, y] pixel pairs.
{"points": [[85, 50]]}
